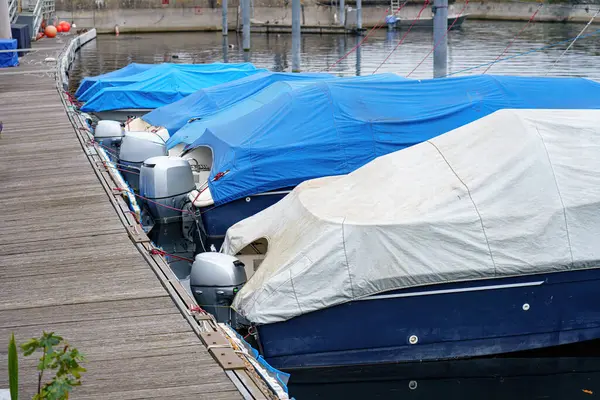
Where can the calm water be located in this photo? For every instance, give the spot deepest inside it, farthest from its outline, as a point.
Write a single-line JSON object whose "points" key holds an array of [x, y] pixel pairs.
{"points": [[573, 375], [476, 43]]}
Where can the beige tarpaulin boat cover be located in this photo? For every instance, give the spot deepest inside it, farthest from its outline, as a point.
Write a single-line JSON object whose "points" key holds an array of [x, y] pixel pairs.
{"points": [[514, 193]]}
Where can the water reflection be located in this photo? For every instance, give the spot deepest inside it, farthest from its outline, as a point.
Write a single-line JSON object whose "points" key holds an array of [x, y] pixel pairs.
{"points": [[533, 378], [358, 56], [225, 49], [477, 42]]}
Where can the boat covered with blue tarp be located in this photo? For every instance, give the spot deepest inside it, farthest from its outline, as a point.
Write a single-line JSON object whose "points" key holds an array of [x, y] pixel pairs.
{"points": [[160, 89], [334, 127], [131, 69], [194, 129], [127, 76], [211, 100]]}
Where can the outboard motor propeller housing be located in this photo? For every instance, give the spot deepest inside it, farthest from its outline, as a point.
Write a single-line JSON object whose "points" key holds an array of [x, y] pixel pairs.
{"points": [[167, 181], [215, 279], [109, 134], [136, 147]]}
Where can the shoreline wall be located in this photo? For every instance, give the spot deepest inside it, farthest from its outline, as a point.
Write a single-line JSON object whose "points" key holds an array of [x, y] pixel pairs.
{"points": [[205, 15]]}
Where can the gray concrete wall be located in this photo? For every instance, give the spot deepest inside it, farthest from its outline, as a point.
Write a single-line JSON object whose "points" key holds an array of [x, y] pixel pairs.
{"points": [[179, 15], [522, 11]]}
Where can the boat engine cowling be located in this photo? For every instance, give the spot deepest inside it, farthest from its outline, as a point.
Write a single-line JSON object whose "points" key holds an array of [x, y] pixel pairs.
{"points": [[136, 147], [167, 181], [215, 279], [109, 134]]}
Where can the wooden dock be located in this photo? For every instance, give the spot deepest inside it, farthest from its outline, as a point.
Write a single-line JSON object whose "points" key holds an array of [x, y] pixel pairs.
{"points": [[68, 265]]}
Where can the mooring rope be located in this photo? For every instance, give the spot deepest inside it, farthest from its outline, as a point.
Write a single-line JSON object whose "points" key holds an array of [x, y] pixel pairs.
{"points": [[440, 41], [118, 189], [522, 54], [516, 36], [573, 42], [92, 142], [155, 251], [122, 169], [404, 36], [377, 26]]}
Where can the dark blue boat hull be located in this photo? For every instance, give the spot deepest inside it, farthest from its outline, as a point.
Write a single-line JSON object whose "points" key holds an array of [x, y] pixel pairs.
{"points": [[449, 321], [217, 220]]}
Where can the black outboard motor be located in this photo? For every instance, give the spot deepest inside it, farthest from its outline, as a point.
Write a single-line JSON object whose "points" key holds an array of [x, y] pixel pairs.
{"points": [[215, 279], [137, 147]]}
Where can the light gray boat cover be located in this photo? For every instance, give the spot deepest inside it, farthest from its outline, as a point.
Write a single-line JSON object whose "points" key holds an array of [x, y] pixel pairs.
{"points": [[514, 193]]}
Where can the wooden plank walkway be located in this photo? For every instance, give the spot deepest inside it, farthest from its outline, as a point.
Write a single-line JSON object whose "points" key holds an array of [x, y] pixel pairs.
{"points": [[67, 264]]}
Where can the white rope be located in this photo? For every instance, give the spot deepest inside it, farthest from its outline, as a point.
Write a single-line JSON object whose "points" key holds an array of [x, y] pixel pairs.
{"points": [[573, 42]]}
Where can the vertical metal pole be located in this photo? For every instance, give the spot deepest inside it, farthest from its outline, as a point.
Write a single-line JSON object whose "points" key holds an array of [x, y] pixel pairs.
{"points": [[359, 16], [296, 36], [224, 17], [342, 13], [440, 38], [5, 32], [225, 49], [246, 24], [358, 57]]}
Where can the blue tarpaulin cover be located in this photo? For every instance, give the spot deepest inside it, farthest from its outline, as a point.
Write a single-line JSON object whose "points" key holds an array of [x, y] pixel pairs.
{"points": [[131, 69], [8, 59], [126, 78], [208, 101], [160, 90], [193, 130], [334, 127]]}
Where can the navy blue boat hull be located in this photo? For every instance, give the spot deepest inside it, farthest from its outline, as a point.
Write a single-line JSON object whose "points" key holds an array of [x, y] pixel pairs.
{"points": [[217, 220], [441, 322]]}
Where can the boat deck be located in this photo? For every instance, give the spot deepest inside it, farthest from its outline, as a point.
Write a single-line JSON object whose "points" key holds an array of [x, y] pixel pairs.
{"points": [[68, 265]]}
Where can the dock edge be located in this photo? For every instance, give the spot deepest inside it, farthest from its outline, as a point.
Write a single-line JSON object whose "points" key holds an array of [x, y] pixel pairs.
{"points": [[253, 378]]}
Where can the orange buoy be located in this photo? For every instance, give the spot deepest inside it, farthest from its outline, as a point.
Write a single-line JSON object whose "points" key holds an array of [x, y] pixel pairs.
{"points": [[66, 27], [59, 28], [50, 31], [39, 36]]}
